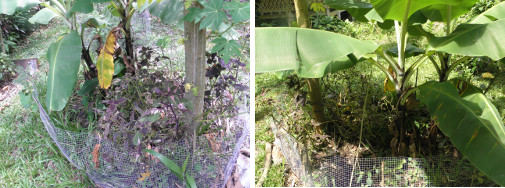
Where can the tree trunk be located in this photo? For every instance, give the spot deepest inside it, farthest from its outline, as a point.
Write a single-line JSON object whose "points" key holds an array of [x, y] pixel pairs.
{"points": [[1, 35], [195, 71], [316, 97]]}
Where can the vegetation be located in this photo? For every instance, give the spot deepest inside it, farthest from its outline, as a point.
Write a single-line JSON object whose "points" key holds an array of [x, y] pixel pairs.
{"points": [[104, 73], [401, 50]]}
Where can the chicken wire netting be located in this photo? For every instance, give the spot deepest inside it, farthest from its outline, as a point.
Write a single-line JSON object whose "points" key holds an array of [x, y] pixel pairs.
{"points": [[211, 162], [339, 171], [377, 172]]}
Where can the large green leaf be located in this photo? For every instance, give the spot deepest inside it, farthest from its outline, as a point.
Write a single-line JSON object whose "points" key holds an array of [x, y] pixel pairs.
{"points": [[357, 9], [474, 40], [64, 57], [169, 11], [495, 13], [311, 53], [472, 123], [398, 9], [440, 12], [10, 6], [210, 16], [239, 12], [43, 16], [84, 6], [226, 48]]}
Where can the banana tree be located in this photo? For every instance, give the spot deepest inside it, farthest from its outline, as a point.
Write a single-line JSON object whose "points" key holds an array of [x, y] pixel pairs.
{"points": [[478, 37], [63, 65]]}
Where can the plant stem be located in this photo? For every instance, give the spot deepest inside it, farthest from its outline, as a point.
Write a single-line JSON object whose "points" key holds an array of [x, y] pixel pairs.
{"points": [[385, 70], [435, 64], [60, 6], [390, 61], [453, 65]]}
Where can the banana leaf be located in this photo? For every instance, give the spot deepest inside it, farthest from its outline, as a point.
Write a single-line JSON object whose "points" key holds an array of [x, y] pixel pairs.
{"points": [[64, 57], [495, 13], [472, 123], [398, 9], [439, 12], [310, 53], [474, 40], [10, 6]]}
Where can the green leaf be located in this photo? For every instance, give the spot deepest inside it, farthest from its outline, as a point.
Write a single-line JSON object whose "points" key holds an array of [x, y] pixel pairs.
{"points": [[43, 16], [212, 14], [119, 66], [317, 7], [169, 11], [226, 48], [140, 3], [240, 12], [64, 58], [169, 163], [88, 87], [357, 9], [114, 11], [10, 6], [190, 181], [94, 22], [137, 138], [474, 40], [311, 53], [410, 51], [100, 1], [398, 9], [150, 118], [84, 6], [495, 13], [440, 12], [185, 164], [26, 100], [473, 125]]}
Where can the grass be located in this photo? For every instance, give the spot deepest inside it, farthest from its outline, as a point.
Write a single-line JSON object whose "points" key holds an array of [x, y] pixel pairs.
{"points": [[29, 156]]}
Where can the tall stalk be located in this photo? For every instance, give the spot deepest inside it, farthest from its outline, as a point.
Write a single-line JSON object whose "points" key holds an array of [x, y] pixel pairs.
{"points": [[315, 94]]}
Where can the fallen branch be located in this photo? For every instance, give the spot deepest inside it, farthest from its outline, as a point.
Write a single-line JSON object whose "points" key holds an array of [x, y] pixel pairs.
{"points": [[268, 156]]}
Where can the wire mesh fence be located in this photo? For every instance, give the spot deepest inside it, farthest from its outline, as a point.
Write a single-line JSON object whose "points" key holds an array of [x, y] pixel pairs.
{"points": [[337, 171], [374, 172], [212, 157]]}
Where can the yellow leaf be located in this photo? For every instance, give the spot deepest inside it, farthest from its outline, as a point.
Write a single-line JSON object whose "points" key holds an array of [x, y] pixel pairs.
{"points": [[144, 175], [388, 84], [487, 75], [105, 63], [187, 87]]}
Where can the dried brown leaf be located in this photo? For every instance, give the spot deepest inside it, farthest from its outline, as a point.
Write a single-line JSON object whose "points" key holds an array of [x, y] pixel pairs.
{"points": [[96, 154]]}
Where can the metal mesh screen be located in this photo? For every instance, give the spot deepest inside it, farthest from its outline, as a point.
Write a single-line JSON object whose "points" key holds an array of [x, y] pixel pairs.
{"points": [[211, 161], [374, 172]]}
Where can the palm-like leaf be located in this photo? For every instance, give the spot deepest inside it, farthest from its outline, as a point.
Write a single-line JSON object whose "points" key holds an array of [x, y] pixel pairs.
{"points": [[311, 53], [64, 57], [474, 40], [472, 123]]}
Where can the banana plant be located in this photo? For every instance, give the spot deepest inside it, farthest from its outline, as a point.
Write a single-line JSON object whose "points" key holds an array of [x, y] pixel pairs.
{"points": [[482, 134]]}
